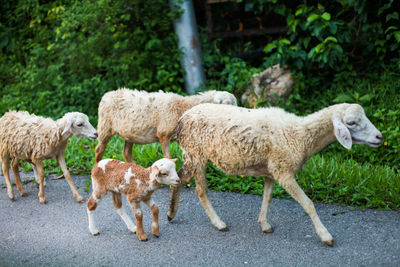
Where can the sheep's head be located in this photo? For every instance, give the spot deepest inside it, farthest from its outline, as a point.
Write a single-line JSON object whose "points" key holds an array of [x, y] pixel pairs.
{"points": [[351, 126], [78, 124], [164, 171], [222, 97]]}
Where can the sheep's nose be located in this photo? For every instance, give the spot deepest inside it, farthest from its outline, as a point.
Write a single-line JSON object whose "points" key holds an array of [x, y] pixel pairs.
{"points": [[379, 136], [96, 134]]}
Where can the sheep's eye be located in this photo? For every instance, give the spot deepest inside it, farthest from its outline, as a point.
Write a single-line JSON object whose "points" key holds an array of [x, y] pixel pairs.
{"points": [[79, 124], [351, 123], [163, 173]]}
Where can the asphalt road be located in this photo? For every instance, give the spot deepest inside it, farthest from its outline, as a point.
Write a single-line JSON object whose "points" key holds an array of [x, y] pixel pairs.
{"points": [[57, 234]]}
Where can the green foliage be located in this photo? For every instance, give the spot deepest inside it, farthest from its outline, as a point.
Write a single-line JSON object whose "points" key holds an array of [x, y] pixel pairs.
{"points": [[337, 36], [65, 55]]}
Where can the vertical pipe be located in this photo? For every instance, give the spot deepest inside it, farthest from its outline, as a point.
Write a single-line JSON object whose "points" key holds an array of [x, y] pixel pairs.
{"points": [[188, 41]]}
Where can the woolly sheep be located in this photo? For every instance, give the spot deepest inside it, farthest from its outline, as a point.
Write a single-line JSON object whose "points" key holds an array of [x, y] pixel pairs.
{"points": [[264, 142], [134, 181], [140, 117], [34, 139]]}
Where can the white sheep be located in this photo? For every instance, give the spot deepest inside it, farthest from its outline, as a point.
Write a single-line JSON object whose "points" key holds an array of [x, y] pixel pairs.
{"points": [[140, 117], [264, 142], [134, 181], [34, 139]]}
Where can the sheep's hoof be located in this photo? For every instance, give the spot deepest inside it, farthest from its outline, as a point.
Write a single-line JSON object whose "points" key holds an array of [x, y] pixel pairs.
{"points": [[11, 198], [143, 240], [225, 229], [329, 243], [157, 235], [42, 201], [170, 218], [80, 200], [270, 230], [96, 234]]}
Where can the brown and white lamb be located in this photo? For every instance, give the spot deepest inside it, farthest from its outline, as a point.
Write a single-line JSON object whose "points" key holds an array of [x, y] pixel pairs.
{"points": [[134, 181]]}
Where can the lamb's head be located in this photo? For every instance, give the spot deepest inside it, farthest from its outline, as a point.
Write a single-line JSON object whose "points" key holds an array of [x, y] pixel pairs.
{"points": [[222, 97], [351, 126], [164, 171], [76, 123]]}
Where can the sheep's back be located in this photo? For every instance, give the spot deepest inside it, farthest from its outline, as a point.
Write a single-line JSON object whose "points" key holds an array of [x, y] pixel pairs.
{"points": [[132, 113], [232, 138], [28, 136]]}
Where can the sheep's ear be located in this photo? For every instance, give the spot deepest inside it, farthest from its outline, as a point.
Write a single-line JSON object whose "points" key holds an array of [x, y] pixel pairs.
{"points": [[67, 127], [174, 160], [342, 133]]}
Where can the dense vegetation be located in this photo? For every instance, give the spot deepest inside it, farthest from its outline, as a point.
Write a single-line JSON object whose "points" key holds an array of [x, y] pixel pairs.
{"points": [[59, 56]]}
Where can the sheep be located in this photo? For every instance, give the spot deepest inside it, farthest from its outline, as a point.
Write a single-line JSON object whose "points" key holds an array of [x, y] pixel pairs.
{"points": [[264, 142], [34, 139], [134, 181], [140, 117]]}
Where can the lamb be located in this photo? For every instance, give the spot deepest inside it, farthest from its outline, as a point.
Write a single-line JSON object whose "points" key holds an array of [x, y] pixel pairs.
{"points": [[264, 142], [134, 181], [140, 117], [34, 139]]}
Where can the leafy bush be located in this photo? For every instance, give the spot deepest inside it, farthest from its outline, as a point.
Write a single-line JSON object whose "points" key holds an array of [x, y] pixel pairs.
{"points": [[64, 55]]}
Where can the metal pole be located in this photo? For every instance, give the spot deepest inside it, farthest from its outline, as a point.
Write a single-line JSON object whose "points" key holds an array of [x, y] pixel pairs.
{"points": [[188, 40]]}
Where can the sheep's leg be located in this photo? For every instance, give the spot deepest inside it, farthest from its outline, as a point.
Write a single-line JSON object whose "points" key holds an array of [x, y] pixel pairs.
{"points": [[139, 220], [5, 165], [40, 170], [15, 169], [185, 173], [1, 168], [201, 191], [164, 141], [35, 173], [174, 194], [291, 186], [155, 228], [63, 165], [267, 197], [91, 207], [101, 146], [127, 152], [121, 212]]}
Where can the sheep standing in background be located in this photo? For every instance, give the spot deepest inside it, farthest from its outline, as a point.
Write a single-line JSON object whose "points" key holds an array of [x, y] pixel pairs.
{"points": [[134, 181], [264, 142], [140, 117], [34, 139]]}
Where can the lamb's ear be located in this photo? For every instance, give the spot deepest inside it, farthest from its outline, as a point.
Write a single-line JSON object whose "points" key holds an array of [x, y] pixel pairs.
{"points": [[67, 127], [155, 171], [342, 133]]}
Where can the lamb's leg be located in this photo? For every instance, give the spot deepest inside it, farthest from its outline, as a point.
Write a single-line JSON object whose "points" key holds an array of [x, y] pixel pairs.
{"points": [[104, 137], [262, 219], [5, 165], [67, 175], [91, 207], [121, 212], [1, 168], [290, 185], [15, 169], [40, 170], [139, 220], [127, 152], [201, 191], [155, 228]]}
